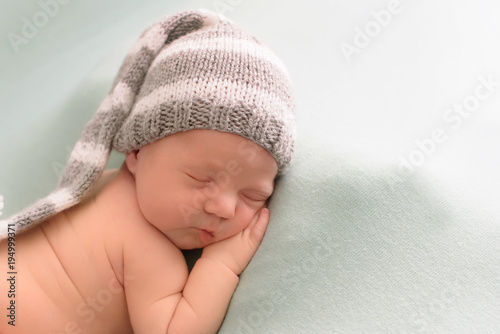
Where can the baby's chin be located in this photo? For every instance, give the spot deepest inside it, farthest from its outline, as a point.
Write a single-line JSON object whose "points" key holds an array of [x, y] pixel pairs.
{"points": [[190, 243]]}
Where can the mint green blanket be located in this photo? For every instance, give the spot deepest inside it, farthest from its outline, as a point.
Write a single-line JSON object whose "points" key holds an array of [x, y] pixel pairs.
{"points": [[355, 247]]}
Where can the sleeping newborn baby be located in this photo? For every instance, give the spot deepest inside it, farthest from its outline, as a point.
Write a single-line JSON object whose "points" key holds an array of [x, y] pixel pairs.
{"points": [[116, 255], [204, 114]]}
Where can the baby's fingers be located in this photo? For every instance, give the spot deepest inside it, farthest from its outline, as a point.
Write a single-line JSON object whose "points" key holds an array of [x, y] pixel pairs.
{"points": [[258, 229]]}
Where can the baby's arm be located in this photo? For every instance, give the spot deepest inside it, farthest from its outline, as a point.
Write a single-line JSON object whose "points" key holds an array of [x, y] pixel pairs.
{"points": [[162, 304], [214, 278]]}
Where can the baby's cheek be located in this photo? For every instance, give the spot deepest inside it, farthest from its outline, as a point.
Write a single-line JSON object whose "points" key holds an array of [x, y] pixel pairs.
{"points": [[246, 218], [152, 201], [143, 197]]}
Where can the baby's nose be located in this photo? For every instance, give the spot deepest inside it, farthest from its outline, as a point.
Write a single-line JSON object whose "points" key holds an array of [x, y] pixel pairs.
{"points": [[223, 205]]}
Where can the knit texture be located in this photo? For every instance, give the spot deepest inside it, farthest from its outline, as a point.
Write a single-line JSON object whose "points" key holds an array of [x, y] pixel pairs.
{"points": [[190, 70]]}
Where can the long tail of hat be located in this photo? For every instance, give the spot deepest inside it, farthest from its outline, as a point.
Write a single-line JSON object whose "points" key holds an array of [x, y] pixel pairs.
{"points": [[90, 154]]}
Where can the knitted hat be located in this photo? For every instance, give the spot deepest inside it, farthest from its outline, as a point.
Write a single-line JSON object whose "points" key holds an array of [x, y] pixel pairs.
{"points": [[191, 70]]}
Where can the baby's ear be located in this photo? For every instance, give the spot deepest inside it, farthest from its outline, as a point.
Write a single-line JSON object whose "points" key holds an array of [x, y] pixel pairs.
{"points": [[131, 161]]}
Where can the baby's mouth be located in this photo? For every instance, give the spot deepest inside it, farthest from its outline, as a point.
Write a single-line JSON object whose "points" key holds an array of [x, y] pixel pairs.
{"points": [[209, 232], [206, 236]]}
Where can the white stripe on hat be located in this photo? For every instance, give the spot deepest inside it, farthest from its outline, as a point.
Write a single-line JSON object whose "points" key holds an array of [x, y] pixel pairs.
{"points": [[106, 105], [121, 99], [60, 198], [90, 153]]}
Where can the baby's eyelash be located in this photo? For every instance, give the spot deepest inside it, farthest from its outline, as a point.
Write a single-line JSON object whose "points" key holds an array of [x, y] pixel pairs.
{"points": [[255, 199], [197, 179], [251, 197]]}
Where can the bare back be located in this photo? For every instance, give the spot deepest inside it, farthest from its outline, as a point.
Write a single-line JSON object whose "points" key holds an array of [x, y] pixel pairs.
{"points": [[70, 276]]}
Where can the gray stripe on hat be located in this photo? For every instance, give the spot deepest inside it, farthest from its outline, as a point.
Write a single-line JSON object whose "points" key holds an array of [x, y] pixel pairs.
{"points": [[181, 25], [38, 211], [139, 66], [102, 128], [128, 71], [77, 176]]}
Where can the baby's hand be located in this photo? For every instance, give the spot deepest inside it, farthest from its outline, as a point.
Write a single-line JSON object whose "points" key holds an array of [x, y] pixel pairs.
{"points": [[237, 251]]}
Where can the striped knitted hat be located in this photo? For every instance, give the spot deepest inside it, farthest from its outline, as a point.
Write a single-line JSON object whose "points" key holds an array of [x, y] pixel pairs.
{"points": [[191, 70]]}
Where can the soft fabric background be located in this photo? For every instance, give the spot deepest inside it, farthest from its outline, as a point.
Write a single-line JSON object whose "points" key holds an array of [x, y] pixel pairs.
{"points": [[357, 242]]}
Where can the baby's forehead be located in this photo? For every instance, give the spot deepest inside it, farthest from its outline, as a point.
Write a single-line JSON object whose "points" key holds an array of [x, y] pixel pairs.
{"points": [[215, 151], [214, 166], [232, 165]]}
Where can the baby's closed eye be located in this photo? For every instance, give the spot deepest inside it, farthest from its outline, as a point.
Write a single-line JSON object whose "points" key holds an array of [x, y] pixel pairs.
{"points": [[255, 197], [248, 194], [199, 178]]}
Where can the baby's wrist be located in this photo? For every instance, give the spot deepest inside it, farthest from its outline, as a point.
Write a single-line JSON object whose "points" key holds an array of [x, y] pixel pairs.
{"points": [[216, 263]]}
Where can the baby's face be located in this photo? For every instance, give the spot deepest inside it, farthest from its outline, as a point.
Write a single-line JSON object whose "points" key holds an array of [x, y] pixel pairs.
{"points": [[202, 186]]}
